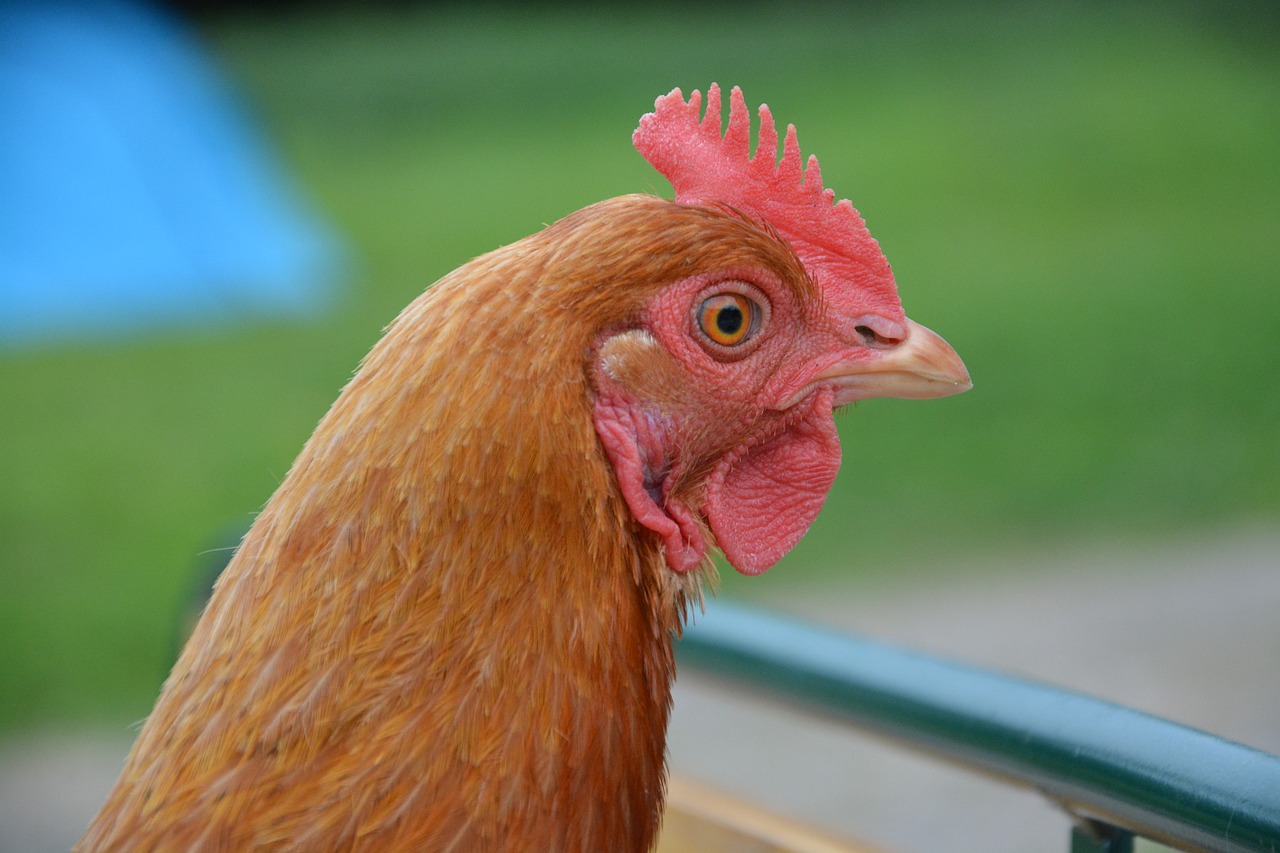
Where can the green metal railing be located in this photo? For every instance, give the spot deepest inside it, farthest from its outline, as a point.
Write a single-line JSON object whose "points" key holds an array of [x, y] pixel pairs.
{"points": [[1120, 772]]}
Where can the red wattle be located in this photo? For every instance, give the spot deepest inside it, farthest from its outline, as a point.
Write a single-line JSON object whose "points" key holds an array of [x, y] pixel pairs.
{"points": [[762, 502]]}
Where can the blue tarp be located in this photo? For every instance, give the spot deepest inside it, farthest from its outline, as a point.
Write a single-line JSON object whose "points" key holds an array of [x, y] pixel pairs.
{"points": [[133, 191]]}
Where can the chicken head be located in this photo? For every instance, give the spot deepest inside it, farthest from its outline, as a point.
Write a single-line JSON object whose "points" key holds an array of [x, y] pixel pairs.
{"points": [[715, 403]]}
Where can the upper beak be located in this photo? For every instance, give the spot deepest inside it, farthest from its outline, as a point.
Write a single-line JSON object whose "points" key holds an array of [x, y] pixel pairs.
{"points": [[921, 367]]}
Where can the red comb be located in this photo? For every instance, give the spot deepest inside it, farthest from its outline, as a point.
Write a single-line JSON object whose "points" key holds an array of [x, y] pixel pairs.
{"points": [[830, 238]]}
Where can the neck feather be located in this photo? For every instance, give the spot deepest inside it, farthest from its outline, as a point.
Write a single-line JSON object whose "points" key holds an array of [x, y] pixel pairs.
{"points": [[443, 628]]}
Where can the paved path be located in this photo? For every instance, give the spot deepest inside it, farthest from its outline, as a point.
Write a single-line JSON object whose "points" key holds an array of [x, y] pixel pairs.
{"points": [[1190, 631]]}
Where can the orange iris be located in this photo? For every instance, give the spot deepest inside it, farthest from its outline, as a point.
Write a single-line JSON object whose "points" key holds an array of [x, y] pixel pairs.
{"points": [[726, 318]]}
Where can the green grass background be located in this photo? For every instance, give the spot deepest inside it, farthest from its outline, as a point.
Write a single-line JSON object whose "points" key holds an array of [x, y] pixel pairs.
{"points": [[1084, 200]]}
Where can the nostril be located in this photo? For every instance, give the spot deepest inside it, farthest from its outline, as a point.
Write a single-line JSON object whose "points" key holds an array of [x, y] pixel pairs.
{"points": [[879, 332]]}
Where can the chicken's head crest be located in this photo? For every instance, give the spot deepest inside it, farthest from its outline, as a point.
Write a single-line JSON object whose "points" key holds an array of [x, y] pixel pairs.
{"points": [[704, 167]]}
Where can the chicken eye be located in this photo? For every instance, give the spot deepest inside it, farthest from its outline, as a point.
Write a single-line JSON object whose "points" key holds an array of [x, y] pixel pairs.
{"points": [[728, 319]]}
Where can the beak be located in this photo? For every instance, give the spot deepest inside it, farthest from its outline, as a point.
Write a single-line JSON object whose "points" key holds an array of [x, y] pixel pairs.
{"points": [[921, 367]]}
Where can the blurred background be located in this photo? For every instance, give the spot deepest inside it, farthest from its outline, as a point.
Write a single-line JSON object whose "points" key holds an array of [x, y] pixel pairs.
{"points": [[207, 215]]}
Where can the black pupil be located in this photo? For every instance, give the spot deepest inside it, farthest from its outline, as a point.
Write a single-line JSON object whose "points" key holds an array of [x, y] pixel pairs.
{"points": [[729, 319]]}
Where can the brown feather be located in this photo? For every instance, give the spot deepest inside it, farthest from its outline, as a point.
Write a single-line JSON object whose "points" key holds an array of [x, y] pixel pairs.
{"points": [[445, 631]]}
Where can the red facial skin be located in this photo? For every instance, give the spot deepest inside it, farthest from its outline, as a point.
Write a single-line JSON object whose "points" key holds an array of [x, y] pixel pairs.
{"points": [[741, 438]]}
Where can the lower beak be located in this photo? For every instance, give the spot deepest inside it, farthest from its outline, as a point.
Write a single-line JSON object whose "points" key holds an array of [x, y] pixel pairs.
{"points": [[921, 367]]}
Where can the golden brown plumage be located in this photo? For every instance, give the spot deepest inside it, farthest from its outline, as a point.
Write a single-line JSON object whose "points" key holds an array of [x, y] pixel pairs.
{"points": [[451, 627], [341, 660]]}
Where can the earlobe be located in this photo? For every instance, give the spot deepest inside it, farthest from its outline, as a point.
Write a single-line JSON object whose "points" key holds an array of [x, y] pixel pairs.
{"points": [[633, 366], [634, 449]]}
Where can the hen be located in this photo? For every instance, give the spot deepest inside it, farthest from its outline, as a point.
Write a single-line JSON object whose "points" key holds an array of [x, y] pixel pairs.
{"points": [[451, 627]]}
